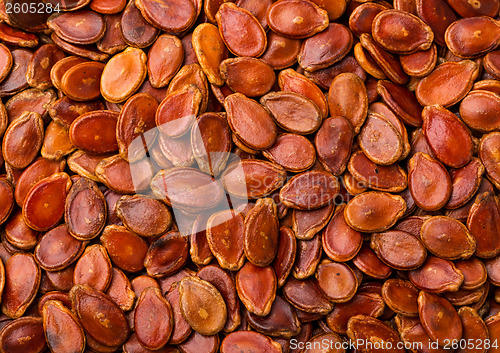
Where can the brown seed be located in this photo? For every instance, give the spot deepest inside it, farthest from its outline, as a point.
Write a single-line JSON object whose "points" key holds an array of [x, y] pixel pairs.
{"points": [[94, 268], [120, 290], [388, 247], [306, 224], [43, 207], [483, 223], [374, 211], [135, 29], [250, 122], [296, 18], [340, 242], [447, 238], [488, 153], [56, 143], [362, 327], [307, 258], [439, 317], [478, 108], [173, 16], [474, 326], [18, 233], [401, 296], [293, 152], [325, 48], [14, 80], [367, 261], [7, 60], [465, 182], [261, 233], [134, 127], [113, 41], [23, 335], [421, 63], [116, 87], [437, 275], [306, 295], [126, 249], [81, 81], [391, 178], [380, 140], [59, 68], [202, 305], [164, 60], [474, 272], [463, 74], [361, 18], [225, 236], [291, 81], [178, 111], [389, 64], [247, 341], [191, 75], [281, 52], [153, 319], [256, 288], [461, 36], [337, 281], [370, 304], [123, 177], [401, 32], [170, 187], [347, 98], [57, 249], [181, 329], [210, 51], [249, 76], [167, 255], [85, 210], [429, 182], [401, 101], [40, 65], [7, 195], [333, 143], [438, 15], [176, 150], [100, 317], [457, 148], [199, 248], [309, 190], [79, 27], [65, 110], [22, 140], [95, 132], [233, 21], [19, 283], [285, 256], [211, 154], [144, 216], [63, 331]]}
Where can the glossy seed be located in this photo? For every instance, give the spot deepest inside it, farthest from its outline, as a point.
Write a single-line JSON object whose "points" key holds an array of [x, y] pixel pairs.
{"points": [[43, 207], [293, 112], [296, 18], [256, 287], [25, 334], [374, 211], [437, 275], [19, 283], [153, 320], [116, 87], [100, 317], [166, 255], [95, 132], [401, 32], [202, 305], [126, 249], [85, 210], [232, 21], [164, 60], [63, 331], [94, 268], [309, 190], [387, 246]]}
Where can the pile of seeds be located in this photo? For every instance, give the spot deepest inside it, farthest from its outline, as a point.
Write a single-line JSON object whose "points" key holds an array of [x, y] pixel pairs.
{"points": [[249, 176]]}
